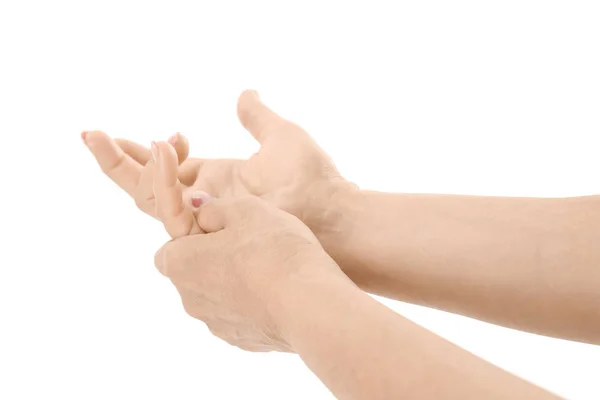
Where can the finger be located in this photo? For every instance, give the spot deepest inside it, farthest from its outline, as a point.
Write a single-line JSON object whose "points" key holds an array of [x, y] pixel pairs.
{"points": [[145, 199], [176, 257], [256, 117], [144, 195], [113, 161], [177, 216], [139, 153], [142, 154], [219, 214], [189, 169], [181, 145]]}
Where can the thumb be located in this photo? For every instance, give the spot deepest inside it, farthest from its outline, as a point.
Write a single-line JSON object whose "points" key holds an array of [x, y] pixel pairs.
{"points": [[257, 118], [217, 214]]}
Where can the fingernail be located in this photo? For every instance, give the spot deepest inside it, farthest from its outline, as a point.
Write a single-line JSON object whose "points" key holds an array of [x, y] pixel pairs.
{"points": [[173, 139], [83, 135], [200, 198], [255, 93], [154, 151]]}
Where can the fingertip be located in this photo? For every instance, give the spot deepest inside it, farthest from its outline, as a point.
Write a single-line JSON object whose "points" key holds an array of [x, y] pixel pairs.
{"points": [[251, 93], [209, 217], [173, 139], [246, 99], [200, 198], [94, 138], [164, 151], [181, 146], [103, 147], [113, 161], [252, 113]]}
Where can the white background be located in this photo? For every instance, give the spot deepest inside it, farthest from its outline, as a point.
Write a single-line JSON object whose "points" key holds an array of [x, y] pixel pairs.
{"points": [[474, 97]]}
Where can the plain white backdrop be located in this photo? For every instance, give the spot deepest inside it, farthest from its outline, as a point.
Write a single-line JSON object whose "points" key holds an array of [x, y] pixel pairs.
{"points": [[472, 97]]}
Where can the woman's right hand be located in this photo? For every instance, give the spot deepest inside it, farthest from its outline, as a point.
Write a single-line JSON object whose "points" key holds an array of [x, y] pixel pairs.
{"points": [[290, 170]]}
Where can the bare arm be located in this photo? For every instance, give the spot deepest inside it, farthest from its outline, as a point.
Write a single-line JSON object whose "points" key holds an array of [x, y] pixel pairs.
{"points": [[526, 263], [362, 350], [531, 264], [260, 280]]}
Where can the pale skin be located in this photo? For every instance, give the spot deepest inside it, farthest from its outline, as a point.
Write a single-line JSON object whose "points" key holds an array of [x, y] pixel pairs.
{"points": [[529, 264]]}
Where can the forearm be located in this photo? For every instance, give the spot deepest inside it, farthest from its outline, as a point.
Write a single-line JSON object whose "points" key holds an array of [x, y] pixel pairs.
{"points": [[362, 350], [531, 264]]}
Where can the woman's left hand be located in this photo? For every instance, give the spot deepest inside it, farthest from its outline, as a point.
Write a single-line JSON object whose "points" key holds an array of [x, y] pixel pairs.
{"points": [[234, 277]]}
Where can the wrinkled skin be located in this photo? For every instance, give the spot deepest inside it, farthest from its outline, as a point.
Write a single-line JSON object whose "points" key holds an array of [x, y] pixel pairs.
{"points": [[234, 277]]}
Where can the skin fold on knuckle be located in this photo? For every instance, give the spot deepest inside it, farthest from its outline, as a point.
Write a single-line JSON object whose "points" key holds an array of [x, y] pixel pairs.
{"points": [[141, 203]]}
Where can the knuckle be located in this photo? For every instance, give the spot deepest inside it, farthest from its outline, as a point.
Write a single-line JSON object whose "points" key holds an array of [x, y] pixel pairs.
{"points": [[110, 168], [191, 309], [164, 259], [218, 332], [176, 231], [250, 201], [139, 201]]}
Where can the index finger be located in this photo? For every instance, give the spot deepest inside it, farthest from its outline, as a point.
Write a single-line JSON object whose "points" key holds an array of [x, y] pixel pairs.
{"points": [[113, 161]]}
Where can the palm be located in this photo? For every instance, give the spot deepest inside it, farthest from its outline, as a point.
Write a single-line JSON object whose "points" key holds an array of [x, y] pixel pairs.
{"points": [[283, 172], [286, 166]]}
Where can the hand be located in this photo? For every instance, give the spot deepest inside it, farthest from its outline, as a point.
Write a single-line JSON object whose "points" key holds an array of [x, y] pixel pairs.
{"points": [[131, 167], [233, 278], [290, 170]]}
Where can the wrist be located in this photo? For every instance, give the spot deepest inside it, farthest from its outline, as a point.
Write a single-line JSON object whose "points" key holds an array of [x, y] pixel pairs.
{"points": [[332, 210], [337, 213], [302, 294]]}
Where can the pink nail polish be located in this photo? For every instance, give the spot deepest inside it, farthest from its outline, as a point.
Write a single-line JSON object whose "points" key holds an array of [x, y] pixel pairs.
{"points": [[200, 198], [196, 202]]}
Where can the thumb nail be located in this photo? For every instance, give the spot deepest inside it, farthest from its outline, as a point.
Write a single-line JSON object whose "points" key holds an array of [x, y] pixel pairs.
{"points": [[200, 198]]}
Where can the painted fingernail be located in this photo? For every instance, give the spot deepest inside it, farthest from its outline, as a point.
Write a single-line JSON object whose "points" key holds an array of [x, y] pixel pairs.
{"points": [[154, 151], [173, 139], [83, 135], [200, 198]]}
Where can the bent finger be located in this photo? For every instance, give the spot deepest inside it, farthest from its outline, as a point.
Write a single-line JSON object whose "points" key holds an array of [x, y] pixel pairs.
{"points": [[189, 169], [142, 154], [177, 216], [144, 195], [181, 145]]}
